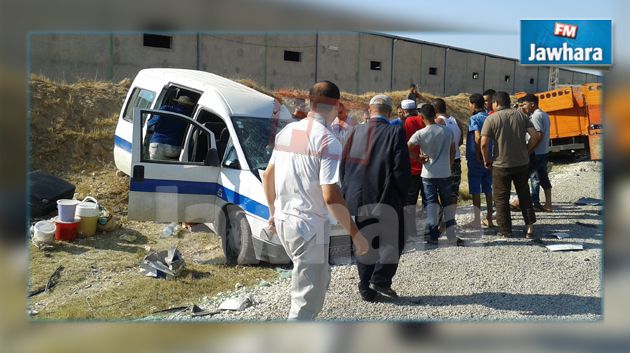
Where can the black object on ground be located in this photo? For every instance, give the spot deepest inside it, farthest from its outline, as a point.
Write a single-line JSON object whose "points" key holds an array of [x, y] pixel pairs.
{"points": [[589, 201], [46, 189]]}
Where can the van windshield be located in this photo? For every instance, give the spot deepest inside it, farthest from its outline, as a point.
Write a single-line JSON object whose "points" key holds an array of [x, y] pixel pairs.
{"points": [[257, 138]]}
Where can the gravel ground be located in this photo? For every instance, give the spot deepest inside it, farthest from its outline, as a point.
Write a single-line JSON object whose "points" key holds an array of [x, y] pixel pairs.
{"points": [[486, 280]]}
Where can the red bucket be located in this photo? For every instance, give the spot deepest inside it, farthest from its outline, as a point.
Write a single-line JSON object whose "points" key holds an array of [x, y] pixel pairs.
{"points": [[66, 231]]}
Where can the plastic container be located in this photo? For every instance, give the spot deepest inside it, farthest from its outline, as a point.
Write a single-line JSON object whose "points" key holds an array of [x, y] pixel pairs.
{"points": [[88, 214], [66, 209], [43, 232], [66, 231]]}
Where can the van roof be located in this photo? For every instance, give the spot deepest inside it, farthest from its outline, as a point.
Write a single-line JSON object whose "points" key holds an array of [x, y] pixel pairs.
{"points": [[238, 98]]}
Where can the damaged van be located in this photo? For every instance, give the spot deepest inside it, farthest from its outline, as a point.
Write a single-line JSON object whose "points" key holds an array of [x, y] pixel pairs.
{"points": [[227, 134]]}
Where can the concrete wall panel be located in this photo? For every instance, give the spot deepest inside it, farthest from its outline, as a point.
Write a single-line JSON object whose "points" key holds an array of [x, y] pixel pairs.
{"points": [[407, 64], [579, 78], [69, 57], [565, 77], [131, 56], [378, 49], [432, 57], [290, 74], [543, 79], [499, 74], [461, 70], [526, 79], [233, 56], [338, 60]]}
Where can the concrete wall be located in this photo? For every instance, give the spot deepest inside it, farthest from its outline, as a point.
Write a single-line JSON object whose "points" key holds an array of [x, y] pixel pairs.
{"points": [[233, 56], [338, 60], [565, 77], [374, 48], [130, 55], [290, 74], [543, 79], [343, 58], [460, 67], [66, 57], [579, 78], [496, 71], [526, 79], [432, 56], [407, 60]]}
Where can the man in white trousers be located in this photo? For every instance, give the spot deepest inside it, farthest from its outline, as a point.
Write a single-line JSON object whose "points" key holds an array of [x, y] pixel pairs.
{"points": [[300, 195]]}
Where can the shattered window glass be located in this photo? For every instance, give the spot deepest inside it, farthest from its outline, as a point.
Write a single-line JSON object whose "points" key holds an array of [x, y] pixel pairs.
{"points": [[257, 137]]}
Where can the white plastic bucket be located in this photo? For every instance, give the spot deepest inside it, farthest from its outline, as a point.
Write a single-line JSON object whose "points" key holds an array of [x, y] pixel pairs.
{"points": [[44, 232], [66, 209]]}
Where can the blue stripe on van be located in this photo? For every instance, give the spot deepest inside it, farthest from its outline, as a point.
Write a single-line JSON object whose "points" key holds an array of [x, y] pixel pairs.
{"points": [[201, 188], [122, 143]]}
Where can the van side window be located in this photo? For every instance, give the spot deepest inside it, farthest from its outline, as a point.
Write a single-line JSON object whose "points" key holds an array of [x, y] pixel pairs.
{"points": [[140, 98], [231, 159]]}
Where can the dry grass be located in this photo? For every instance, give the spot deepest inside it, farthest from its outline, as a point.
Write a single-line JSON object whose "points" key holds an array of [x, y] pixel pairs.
{"points": [[101, 280]]}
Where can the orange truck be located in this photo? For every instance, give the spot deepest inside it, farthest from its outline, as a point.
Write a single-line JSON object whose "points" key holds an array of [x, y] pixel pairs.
{"points": [[575, 118]]}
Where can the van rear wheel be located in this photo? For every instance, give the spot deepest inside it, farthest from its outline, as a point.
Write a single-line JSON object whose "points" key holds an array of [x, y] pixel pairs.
{"points": [[237, 245]]}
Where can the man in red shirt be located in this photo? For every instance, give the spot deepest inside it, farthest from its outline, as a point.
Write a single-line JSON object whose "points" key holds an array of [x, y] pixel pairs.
{"points": [[412, 123]]}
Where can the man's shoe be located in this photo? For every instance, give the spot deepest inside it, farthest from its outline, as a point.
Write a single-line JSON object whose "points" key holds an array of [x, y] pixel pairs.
{"points": [[457, 242], [386, 292], [367, 294], [504, 235]]}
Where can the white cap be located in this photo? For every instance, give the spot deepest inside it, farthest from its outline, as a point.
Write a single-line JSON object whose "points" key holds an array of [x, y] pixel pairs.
{"points": [[408, 104], [381, 99]]}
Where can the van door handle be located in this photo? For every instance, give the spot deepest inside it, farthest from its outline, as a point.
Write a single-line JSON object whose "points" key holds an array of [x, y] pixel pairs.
{"points": [[138, 172]]}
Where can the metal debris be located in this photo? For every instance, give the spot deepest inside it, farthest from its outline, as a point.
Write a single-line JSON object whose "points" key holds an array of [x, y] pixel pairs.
{"points": [[164, 264], [236, 304], [565, 247], [588, 201]]}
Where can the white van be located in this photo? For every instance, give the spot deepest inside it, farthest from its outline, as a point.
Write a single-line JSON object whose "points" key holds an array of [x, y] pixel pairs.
{"points": [[216, 180]]}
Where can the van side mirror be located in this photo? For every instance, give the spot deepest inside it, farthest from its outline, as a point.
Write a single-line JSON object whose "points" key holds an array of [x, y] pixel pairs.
{"points": [[212, 158]]}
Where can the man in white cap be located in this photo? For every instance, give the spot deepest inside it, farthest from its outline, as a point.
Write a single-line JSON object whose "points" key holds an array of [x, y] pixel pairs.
{"points": [[375, 175]]}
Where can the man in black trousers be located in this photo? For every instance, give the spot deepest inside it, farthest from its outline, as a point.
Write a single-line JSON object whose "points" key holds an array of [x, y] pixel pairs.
{"points": [[375, 176]]}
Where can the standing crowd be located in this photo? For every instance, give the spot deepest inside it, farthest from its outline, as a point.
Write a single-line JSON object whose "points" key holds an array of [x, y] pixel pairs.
{"points": [[370, 176]]}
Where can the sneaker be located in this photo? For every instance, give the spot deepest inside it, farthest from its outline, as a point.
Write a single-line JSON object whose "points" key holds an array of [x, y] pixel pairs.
{"points": [[458, 242], [367, 294], [384, 291]]}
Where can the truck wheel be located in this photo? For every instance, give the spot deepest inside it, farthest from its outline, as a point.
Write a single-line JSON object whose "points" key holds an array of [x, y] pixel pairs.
{"points": [[237, 246]]}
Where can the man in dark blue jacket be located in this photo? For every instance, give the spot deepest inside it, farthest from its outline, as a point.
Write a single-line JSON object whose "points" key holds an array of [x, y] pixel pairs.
{"points": [[168, 133], [375, 175]]}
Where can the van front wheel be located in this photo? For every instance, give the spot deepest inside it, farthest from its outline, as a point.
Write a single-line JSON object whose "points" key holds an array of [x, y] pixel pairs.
{"points": [[237, 245]]}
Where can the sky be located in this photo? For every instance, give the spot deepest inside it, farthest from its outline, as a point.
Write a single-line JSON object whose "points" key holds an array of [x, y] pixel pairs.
{"points": [[488, 26]]}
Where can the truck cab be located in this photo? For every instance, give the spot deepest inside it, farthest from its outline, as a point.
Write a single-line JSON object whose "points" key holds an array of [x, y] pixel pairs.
{"points": [[228, 134]]}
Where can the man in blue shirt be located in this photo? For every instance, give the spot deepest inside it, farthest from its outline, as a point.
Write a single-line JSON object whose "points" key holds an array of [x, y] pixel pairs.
{"points": [[168, 133], [479, 178]]}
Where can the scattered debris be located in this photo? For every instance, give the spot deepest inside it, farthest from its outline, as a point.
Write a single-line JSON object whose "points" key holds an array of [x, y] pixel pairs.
{"points": [[52, 282], [33, 312], [282, 273], [164, 264], [236, 304], [559, 235], [129, 238], [264, 283], [588, 201], [238, 286], [196, 311], [565, 247], [587, 225], [170, 310]]}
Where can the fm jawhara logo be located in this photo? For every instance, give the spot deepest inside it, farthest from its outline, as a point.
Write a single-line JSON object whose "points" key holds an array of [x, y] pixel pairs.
{"points": [[566, 42]]}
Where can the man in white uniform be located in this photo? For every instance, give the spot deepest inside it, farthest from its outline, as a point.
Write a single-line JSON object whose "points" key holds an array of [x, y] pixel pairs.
{"points": [[300, 195]]}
